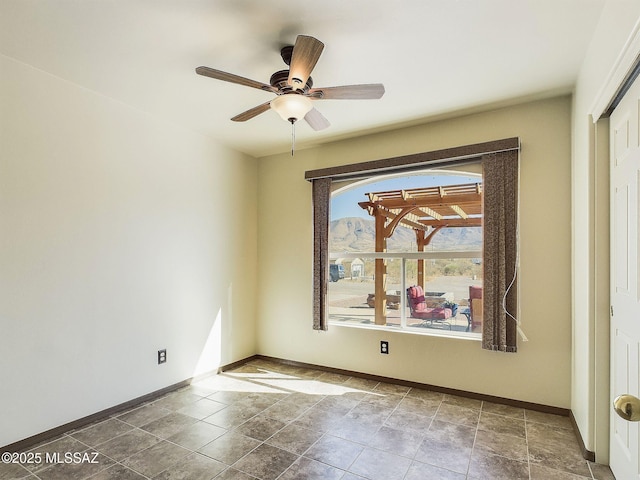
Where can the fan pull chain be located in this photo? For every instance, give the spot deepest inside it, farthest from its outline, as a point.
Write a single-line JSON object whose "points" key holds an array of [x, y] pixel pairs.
{"points": [[293, 134]]}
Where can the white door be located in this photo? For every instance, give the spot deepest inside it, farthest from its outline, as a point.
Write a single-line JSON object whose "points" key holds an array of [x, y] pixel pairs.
{"points": [[625, 287]]}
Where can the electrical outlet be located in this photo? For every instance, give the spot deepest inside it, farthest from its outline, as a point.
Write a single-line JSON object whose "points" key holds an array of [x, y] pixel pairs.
{"points": [[162, 356], [384, 347]]}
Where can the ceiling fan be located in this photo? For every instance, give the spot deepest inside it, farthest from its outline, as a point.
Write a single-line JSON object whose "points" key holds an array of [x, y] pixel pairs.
{"points": [[294, 87]]}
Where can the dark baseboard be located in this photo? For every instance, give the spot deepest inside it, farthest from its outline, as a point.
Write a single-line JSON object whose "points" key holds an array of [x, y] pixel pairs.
{"points": [[587, 454], [565, 412], [239, 363], [30, 442]]}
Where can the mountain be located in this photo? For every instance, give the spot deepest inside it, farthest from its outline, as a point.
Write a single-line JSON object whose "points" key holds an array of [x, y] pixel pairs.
{"points": [[355, 234]]}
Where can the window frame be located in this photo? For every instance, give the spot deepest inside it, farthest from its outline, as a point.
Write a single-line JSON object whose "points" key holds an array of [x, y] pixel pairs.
{"points": [[501, 336]]}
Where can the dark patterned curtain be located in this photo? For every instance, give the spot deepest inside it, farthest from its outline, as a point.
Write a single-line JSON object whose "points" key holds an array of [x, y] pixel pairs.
{"points": [[500, 302], [321, 201]]}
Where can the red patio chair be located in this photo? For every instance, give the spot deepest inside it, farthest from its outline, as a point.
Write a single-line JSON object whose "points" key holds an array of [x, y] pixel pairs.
{"points": [[419, 309]]}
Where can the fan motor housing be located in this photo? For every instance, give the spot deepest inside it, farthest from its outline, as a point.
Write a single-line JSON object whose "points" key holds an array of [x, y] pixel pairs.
{"points": [[280, 80]]}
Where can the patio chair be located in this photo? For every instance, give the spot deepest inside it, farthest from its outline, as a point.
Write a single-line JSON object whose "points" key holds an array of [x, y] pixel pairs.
{"points": [[419, 309], [475, 305]]}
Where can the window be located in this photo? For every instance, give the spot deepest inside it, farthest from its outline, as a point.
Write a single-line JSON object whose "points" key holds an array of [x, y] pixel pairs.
{"points": [[436, 245], [499, 160]]}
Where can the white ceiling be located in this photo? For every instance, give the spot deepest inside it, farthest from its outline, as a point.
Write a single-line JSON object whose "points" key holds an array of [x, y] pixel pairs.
{"points": [[433, 56]]}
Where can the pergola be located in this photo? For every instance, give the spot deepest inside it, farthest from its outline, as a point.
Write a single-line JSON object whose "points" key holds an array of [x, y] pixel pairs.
{"points": [[426, 211]]}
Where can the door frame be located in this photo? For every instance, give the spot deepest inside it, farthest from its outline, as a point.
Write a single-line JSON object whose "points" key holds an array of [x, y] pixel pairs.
{"points": [[625, 70]]}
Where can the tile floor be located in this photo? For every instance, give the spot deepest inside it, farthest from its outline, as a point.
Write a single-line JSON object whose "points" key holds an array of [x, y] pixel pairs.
{"points": [[270, 421]]}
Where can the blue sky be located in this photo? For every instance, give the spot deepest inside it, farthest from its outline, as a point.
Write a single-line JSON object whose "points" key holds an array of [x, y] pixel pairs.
{"points": [[345, 204]]}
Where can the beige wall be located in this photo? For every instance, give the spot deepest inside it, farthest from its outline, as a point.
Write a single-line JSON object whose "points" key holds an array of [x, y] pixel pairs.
{"points": [[540, 372], [120, 234]]}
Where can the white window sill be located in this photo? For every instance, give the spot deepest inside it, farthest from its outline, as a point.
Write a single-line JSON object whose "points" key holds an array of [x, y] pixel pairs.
{"points": [[413, 331]]}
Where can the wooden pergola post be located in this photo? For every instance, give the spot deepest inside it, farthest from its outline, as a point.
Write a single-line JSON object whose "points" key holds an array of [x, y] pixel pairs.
{"points": [[380, 271], [420, 242]]}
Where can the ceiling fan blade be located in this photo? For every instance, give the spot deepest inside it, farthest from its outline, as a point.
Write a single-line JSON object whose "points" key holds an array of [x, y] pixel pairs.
{"points": [[306, 53], [316, 120], [230, 77], [368, 91], [252, 112]]}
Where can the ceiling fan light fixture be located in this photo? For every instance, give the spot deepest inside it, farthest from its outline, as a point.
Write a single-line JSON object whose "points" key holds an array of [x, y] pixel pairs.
{"points": [[291, 106], [293, 87]]}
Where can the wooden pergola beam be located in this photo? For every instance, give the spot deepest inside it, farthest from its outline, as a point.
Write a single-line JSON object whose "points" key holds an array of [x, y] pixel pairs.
{"points": [[453, 222], [428, 212], [457, 209], [371, 209], [465, 198]]}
